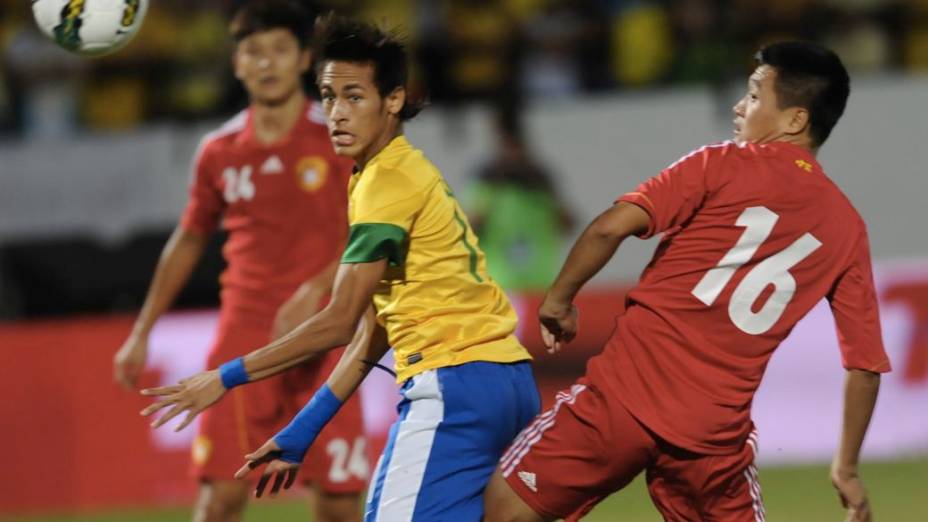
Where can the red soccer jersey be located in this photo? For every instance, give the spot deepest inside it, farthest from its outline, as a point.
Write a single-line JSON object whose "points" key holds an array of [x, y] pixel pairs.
{"points": [[284, 206], [754, 237]]}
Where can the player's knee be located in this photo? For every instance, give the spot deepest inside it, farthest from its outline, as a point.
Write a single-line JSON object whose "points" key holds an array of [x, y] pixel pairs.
{"points": [[337, 507], [221, 502], [502, 504]]}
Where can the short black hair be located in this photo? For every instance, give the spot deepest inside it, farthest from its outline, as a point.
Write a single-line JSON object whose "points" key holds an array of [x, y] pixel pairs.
{"points": [[263, 15], [346, 40], [810, 76]]}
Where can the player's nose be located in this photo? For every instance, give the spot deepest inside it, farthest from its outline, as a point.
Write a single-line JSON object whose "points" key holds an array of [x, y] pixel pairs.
{"points": [[738, 108]]}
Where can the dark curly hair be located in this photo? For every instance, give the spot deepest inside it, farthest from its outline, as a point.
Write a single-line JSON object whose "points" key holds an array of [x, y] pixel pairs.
{"points": [[346, 40]]}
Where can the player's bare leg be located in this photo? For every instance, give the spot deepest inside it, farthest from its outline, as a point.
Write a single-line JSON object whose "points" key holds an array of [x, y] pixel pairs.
{"points": [[221, 501], [502, 504], [334, 507]]}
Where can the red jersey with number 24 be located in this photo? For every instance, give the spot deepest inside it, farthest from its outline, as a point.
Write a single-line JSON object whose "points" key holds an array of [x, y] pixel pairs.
{"points": [[754, 236], [284, 206]]}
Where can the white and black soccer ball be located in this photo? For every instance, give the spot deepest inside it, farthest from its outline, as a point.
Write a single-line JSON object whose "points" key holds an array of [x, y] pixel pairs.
{"points": [[90, 27]]}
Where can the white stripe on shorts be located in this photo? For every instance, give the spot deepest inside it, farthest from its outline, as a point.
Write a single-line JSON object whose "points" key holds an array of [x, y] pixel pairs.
{"points": [[533, 432], [412, 449], [757, 501]]}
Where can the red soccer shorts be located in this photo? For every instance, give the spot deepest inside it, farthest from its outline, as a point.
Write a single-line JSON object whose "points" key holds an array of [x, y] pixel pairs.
{"points": [[587, 447], [251, 414]]}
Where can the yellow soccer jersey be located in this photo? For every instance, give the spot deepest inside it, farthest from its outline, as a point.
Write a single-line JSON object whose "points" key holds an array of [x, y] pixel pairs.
{"points": [[436, 301]]}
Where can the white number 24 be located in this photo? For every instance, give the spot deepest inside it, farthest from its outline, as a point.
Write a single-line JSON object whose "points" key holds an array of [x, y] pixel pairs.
{"points": [[758, 222], [238, 184]]}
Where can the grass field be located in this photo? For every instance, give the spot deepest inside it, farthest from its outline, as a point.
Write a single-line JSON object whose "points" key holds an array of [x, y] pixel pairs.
{"points": [[898, 490]]}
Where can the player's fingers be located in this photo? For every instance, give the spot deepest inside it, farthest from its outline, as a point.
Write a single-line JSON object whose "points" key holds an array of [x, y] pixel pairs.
{"points": [[568, 334], [187, 420], [259, 490], [291, 477], [547, 337], [162, 390], [245, 470], [260, 455], [173, 412], [278, 481], [155, 406]]}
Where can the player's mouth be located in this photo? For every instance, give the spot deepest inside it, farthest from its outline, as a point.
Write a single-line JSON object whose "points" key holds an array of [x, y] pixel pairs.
{"points": [[268, 81], [342, 138]]}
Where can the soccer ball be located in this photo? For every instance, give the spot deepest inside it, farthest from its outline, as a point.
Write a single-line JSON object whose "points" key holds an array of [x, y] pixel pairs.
{"points": [[90, 27]]}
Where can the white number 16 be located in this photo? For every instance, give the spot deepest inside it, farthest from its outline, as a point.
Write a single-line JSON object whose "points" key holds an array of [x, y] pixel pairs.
{"points": [[758, 222]]}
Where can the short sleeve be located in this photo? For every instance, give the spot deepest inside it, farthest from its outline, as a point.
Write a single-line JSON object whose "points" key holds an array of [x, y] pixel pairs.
{"points": [[674, 195], [205, 203], [381, 218], [854, 305]]}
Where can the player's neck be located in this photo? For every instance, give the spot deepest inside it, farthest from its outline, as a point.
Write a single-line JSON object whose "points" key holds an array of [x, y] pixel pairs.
{"points": [[799, 140], [378, 145], [273, 122]]}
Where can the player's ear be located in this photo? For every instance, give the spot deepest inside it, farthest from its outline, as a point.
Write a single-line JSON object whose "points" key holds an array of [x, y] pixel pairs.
{"points": [[797, 120], [395, 101], [236, 68]]}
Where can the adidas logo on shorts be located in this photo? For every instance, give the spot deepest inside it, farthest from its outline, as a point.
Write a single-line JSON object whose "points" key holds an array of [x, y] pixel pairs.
{"points": [[528, 479]]}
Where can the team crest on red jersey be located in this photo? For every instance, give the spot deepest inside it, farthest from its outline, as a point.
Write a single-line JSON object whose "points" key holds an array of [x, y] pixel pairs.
{"points": [[311, 172]]}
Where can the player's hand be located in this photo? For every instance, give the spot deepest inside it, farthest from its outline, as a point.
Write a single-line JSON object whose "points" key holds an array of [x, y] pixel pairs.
{"points": [[129, 361], [284, 473], [191, 395], [302, 305], [853, 495], [559, 323]]}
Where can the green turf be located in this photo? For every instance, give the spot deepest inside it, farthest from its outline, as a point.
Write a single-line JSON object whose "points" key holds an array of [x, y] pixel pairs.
{"points": [[898, 491]]}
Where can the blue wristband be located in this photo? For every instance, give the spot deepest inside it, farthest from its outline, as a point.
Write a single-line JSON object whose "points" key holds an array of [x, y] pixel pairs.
{"points": [[298, 436], [233, 373]]}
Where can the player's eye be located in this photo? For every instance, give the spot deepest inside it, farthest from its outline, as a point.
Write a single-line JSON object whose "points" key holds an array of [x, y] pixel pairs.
{"points": [[354, 98]]}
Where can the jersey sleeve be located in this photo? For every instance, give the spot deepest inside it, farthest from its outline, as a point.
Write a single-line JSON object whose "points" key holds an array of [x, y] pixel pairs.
{"points": [[205, 203], [382, 217], [674, 195], [853, 303]]}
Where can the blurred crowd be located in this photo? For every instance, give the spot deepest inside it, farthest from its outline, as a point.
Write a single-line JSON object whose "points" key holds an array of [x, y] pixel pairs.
{"points": [[506, 51]]}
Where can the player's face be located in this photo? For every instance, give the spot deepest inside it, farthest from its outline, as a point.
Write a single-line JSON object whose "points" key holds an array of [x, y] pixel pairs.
{"points": [[758, 118], [270, 64], [361, 122]]}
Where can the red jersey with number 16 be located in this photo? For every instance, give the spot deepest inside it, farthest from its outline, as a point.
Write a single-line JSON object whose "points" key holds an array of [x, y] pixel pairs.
{"points": [[284, 206], [754, 236]]}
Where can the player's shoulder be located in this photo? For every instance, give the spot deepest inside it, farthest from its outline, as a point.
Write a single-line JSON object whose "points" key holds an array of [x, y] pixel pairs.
{"points": [[225, 133], [315, 114], [704, 155], [840, 205], [313, 121], [406, 166]]}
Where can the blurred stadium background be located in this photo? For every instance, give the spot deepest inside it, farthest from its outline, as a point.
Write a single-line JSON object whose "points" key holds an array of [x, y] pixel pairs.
{"points": [[542, 112]]}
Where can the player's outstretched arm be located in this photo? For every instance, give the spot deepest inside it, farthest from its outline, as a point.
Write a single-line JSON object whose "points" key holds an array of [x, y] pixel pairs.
{"points": [[590, 253], [332, 327], [860, 392], [284, 452], [178, 259]]}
